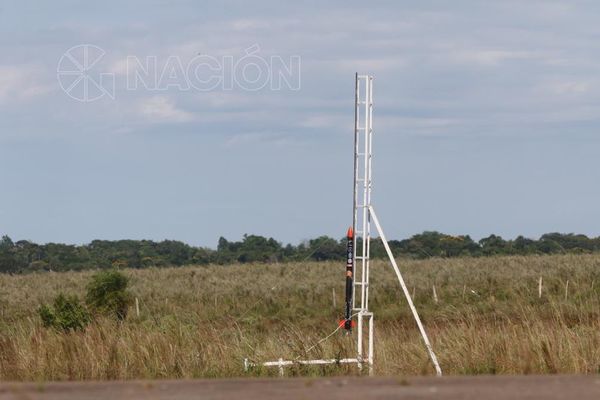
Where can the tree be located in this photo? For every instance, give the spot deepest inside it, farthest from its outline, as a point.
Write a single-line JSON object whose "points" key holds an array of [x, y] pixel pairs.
{"points": [[255, 248], [493, 245], [6, 243], [523, 245], [8, 259], [325, 248]]}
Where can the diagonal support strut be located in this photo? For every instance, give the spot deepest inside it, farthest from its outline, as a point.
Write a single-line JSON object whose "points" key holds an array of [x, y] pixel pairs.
{"points": [[434, 360]]}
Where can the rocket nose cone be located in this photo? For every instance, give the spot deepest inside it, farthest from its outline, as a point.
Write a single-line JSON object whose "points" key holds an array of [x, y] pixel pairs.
{"points": [[350, 233]]}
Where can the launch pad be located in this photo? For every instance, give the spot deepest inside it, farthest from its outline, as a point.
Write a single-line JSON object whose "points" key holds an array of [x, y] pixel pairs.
{"points": [[359, 241]]}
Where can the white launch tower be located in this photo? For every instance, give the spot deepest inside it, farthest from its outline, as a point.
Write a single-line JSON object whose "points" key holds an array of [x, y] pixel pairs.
{"points": [[363, 218]]}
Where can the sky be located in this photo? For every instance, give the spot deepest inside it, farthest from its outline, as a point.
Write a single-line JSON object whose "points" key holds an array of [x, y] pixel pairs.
{"points": [[486, 118]]}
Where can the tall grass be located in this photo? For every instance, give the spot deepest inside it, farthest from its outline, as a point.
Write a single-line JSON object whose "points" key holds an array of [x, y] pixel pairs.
{"points": [[203, 321]]}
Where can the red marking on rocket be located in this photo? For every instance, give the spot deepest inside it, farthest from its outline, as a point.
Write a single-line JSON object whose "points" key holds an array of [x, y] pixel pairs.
{"points": [[342, 323]]}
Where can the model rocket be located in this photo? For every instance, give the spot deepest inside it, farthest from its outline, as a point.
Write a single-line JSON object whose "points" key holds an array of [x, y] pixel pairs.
{"points": [[349, 280]]}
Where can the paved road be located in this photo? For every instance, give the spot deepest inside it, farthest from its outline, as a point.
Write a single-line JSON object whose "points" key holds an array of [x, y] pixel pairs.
{"points": [[447, 388]]}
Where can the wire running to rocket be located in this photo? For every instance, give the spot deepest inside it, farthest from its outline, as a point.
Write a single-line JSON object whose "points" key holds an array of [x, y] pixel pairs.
{"points": [[349, 280]]}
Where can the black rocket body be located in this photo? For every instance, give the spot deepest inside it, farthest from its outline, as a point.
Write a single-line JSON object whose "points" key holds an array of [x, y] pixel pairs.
{"points": [[349, 280]]}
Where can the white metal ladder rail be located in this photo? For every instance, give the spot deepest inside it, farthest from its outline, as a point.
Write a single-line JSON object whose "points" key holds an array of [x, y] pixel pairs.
{"points": [[361, 224]]}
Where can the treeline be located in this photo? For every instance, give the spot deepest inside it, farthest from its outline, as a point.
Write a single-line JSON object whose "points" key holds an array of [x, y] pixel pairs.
{"points": [[25, 256]]}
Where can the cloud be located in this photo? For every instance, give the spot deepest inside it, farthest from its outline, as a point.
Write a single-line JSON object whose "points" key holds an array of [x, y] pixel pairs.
{"points": [[389, 121], [21, 83], [163, 109], [250, 138], [492, 57], [323, 121], [568, 87], [249, 24]]}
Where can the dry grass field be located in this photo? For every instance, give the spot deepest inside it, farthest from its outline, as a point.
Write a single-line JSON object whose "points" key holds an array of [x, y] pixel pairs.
{"points": [[203, 321]]}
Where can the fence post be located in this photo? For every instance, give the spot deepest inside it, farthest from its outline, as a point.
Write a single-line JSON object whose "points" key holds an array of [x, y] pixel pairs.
{"points": [[333, 297]]}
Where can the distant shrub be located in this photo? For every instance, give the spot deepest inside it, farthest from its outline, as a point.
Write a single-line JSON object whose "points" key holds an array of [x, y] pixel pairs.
{"points": [[107, 294], [66, 314], [38, 266]]}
